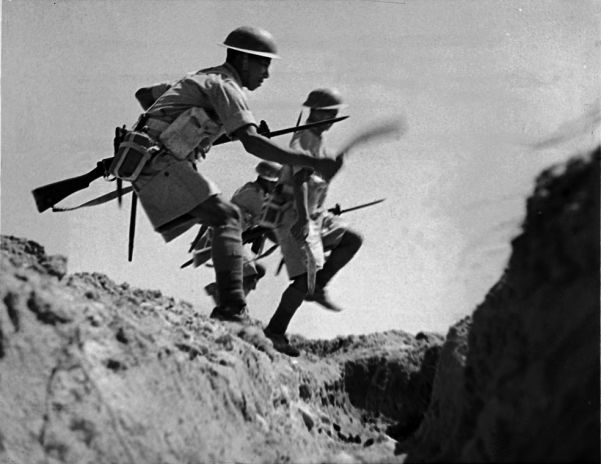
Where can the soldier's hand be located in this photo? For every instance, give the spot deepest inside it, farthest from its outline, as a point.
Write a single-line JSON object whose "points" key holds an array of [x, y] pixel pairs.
{"points": [[328, 167]]}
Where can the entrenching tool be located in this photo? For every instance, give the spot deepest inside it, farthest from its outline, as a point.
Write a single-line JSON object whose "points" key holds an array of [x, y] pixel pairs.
{"points": [[379, 131]]}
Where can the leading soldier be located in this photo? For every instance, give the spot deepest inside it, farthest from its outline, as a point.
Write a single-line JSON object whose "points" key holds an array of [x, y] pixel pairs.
{"points": [[184, 120]]}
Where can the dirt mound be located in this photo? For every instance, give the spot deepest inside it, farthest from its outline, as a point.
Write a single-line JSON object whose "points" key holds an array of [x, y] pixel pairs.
{"points": [[519, 380], [92, 371]]}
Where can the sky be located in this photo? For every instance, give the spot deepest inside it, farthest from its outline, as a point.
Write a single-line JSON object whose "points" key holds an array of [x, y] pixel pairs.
{"points": [[479, 83]]}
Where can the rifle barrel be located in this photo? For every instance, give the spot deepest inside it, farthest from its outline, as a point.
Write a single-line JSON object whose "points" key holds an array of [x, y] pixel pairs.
{"points": [[288, 130], [365, 205]]}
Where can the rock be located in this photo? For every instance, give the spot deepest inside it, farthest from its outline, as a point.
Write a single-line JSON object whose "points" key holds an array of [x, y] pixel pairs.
{"points": [[519, 380]]}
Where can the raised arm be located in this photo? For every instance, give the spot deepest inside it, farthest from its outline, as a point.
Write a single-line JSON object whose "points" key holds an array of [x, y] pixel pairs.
{"points": [[262, 147]]}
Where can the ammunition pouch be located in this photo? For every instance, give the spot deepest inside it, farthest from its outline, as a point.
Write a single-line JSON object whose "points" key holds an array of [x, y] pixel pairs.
{"points": [[274, 207], [192, 132], [133, 152]]}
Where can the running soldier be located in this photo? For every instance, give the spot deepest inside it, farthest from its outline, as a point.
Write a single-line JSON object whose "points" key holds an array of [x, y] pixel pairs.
{"points": [[249, 199], [306, 229], [184, 121]]}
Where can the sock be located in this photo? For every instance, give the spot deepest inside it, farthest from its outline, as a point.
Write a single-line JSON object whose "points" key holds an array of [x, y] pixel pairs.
{"points": [[227, 259]]}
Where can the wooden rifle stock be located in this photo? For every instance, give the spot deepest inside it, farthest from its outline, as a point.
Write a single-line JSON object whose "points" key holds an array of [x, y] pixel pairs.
{"points": [[49, 195]]}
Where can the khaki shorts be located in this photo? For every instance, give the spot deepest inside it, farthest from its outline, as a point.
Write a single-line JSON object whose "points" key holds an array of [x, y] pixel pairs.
{"points": [[169, 188], [293, 251], [332, 230]]}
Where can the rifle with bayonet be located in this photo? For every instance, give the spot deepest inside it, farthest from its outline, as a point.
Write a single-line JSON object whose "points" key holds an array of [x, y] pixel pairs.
{"points": [[337, 210], [47, 196], [257, 232]]}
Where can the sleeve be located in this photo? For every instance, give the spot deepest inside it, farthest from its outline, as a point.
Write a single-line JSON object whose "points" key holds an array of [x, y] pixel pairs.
{"points": [[297, 144], [146, 96], [230, 105]]}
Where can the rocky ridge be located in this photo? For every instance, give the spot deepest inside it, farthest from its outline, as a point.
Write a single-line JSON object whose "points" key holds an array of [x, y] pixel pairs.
{"points": [[518, 381]]}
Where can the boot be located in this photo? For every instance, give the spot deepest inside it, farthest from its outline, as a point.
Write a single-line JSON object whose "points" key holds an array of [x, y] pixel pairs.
{"points": [[231, 314], [320, 297], [212, 290], [292, 298], [281, 343]]}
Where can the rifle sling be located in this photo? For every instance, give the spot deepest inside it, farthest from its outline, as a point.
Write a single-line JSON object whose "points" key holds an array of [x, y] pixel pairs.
{"points": [[96, 201]]}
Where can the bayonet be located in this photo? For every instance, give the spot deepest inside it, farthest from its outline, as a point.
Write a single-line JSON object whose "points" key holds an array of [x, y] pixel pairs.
{"points": [[337, 211], [264, 130]]}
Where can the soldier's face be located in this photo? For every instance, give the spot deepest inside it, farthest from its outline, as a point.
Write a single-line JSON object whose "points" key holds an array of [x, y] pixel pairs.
{"points": [[257, 70], [322, 115]]}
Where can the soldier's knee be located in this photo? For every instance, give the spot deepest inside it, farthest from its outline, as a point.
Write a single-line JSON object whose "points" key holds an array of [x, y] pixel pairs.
{"points": [[300, 283], [226, 213]]}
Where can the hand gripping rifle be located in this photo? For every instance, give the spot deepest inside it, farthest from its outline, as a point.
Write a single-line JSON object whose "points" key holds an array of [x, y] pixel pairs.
{"points": [[47, 196]]}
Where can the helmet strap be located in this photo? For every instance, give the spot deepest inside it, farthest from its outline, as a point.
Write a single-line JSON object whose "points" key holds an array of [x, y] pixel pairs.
{"points": [[244, 70]]}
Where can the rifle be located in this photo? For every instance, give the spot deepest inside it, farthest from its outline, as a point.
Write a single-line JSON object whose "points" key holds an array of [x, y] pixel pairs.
{"points": [[253, 235], [257, 232], [49, 195], [337, 211]]}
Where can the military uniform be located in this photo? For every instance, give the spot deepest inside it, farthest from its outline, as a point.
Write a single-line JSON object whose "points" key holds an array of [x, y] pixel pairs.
{"points": [[305, 261], [293, 250], [169, 187]]}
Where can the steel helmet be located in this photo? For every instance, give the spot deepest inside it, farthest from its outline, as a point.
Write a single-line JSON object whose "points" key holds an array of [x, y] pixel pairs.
{"points": [[325, 99], [268, 170], [252, 40]]}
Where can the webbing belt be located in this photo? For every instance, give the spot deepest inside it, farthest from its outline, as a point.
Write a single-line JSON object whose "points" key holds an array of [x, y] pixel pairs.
{"points": [[155, 127]]}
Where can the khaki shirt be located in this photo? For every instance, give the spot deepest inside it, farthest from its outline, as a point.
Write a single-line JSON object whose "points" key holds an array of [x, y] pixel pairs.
{"points": [[312, 144], [307, 256], [168, 187], [218, 90]]}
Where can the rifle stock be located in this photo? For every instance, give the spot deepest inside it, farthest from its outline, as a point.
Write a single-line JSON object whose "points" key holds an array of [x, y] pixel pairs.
{"points": [[49, 195]]}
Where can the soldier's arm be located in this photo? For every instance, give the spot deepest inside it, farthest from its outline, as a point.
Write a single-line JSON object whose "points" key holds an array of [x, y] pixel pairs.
{"points": [[262, 147]]}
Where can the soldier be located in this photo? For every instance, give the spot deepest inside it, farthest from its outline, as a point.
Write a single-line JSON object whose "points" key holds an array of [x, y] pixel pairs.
{"points": [[184, 121], [249, 199], [304, 230]]}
